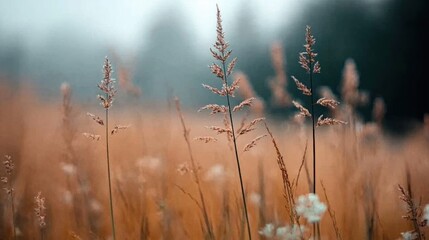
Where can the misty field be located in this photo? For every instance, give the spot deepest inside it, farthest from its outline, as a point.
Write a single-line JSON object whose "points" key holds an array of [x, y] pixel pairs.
{"points": [[123, 167]]}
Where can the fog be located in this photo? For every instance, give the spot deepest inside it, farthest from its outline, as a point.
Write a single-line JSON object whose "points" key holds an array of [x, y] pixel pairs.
{"points": [[126, 24], [164, 44]]}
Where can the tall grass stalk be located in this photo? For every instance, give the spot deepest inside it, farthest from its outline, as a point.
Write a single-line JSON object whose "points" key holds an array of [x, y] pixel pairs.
{"points": [[108, 175], [109, 90], [332, 214], [309, 57], [222, 54], [414, 211], [195, 172], [316, 228], [287, 185], [306, 59], [243, 195], [308, 62]]}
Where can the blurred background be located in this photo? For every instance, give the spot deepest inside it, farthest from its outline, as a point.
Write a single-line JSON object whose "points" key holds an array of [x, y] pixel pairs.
{"points": [[163, 47]]}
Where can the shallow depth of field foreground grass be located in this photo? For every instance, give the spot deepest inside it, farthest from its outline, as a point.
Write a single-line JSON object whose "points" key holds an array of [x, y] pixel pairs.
{"points": [[133, 168], [155, 195]]}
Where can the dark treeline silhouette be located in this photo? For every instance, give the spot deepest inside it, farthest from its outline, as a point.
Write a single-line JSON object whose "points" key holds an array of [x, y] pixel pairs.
{"points": [[385, 39]]}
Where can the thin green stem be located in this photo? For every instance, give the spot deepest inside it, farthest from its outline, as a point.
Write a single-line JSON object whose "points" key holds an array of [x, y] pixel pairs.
{"points": [[112, 218], [236, 151]]}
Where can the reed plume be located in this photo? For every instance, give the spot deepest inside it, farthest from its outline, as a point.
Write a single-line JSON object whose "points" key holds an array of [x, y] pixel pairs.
{"points": [[350, 92], [246, 91], [223, 70], [307, 60], [414, 212], [108, 88], [126, 83], [278, 84], [378, 111]]}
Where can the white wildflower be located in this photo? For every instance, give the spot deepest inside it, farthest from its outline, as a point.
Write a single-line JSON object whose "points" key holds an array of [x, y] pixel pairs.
{"points": [[65, 89], [410, 235], [310, 207], [68, 168], [84, 187], [267, 231], [255, 198], [216, 173], [149, 162], [68, 197], [290, 233], [426, 214], [95, 205]]}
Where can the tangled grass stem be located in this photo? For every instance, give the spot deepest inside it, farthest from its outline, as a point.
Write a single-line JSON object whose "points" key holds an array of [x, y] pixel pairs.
{"points": [[203, 206]]}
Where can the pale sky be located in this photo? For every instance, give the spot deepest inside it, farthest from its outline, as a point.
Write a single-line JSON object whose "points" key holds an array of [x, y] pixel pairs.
{"points": [[125, 22]]}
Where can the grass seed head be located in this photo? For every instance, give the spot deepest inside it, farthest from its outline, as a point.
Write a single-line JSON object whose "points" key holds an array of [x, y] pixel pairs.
{"points": [[206, 139], [97, 119], [302, 110], [92, 136], [253, 143], [40, 209], [116, 128], [9, 165], [328, 121], [107, 85], [331, 103], [304, 89], [307, 58]]}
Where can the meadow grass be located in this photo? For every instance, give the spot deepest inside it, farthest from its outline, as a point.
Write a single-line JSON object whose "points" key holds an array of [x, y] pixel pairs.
{"points": [[177, 188]]}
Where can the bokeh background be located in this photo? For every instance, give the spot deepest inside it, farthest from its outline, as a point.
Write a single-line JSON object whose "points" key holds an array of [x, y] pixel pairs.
{"points": [[165, 46]]}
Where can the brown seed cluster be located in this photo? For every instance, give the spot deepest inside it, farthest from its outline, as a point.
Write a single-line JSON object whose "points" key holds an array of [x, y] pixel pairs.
{"points": [[223, 70], [328, 102], [9, 167], [302, 110], [278, 84], [308, 61], [40, 209], [107, 85], [97, 119], [308, 58], [206, 139], [116, 128], [328, 121], [253, 143], [304, 89], [350, 92]]}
